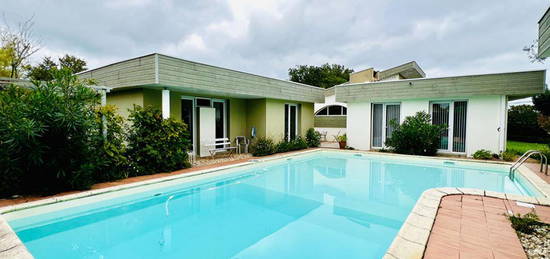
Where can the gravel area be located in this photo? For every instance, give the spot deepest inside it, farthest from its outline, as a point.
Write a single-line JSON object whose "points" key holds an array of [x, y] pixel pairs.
{"points": [[220, 159], [537, 244]]}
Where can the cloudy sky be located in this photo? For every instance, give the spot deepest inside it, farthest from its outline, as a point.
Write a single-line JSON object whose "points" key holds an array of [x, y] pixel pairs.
{"points": [[267, 37]]}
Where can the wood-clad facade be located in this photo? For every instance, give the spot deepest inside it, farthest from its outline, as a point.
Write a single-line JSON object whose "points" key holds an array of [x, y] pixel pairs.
{"points": [[544, 35], [517, 84]]}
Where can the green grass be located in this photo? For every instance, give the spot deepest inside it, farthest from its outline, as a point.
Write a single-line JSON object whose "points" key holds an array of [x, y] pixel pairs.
{"points": [[519, 148]]}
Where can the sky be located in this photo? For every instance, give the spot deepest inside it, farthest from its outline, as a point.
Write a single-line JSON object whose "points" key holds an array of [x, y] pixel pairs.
{"points": [[267, 37]]}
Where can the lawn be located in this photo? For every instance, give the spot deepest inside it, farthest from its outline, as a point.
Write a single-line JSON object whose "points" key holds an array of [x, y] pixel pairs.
{"points": [[519, 148]]}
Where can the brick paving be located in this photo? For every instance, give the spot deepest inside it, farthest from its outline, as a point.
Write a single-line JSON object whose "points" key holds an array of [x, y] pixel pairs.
{"points": [[535, 167], [471, 226]]}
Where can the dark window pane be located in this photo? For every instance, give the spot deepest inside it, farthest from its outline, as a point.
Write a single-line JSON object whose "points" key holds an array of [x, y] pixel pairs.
{"points": [[203, 102], [187, 116], [440, 116], [459, 126], [286, 121], [335, 110], [323, 111], [220, 112], [345, 110], [293, 117], [392, 114], [377, 118]]}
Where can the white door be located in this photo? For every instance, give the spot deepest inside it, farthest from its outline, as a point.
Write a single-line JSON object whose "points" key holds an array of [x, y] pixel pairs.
{"points": [[382, 116], [207, 129]]}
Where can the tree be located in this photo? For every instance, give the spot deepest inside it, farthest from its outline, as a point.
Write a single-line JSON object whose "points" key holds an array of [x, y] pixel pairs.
{"points": [[532, 52], [323, 76], [5, 62], [44, 70], [21, 44], [416, 135], [542, 104], [523, 125]]}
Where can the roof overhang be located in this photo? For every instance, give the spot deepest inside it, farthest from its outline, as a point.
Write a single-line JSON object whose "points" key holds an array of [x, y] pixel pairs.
{"points": [[515, 84], [408, 70], [159, 71]]}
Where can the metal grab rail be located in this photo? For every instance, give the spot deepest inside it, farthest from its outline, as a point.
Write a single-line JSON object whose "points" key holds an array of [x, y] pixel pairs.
{"points": [[524, 158]]}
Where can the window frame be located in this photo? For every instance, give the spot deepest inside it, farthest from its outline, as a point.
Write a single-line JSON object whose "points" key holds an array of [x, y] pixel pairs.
{"points": [[384, 124], [342, 107]]}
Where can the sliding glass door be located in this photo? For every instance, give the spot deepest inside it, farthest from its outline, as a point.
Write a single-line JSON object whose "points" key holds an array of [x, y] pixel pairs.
{"points": [[453, 115], [188, 116], [220, 119], [291, 121], [382, 116]]}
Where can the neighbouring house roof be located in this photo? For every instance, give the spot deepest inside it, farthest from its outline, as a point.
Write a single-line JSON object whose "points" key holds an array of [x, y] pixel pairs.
{"points": [[544, 35], [515, 84], [408, 70], [4, 81], [162, 71]]}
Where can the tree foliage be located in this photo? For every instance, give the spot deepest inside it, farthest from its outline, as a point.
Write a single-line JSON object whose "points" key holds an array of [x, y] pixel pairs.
{"points": [[21, 45], [45, 69], [523, 124], [416, 135], [323, 76]]}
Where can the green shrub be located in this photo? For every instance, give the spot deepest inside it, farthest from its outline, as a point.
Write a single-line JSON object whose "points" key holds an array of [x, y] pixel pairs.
{"points": [[263, 146], [313, 138], [156, 144], [508, 156], [109, 160], [283, 146], [483, 154], [416, 136], [46, 136], [525, 223], [298, 143]]}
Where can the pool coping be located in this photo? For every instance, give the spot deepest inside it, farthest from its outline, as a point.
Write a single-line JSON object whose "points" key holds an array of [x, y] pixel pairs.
{"points": [[410, 242]]}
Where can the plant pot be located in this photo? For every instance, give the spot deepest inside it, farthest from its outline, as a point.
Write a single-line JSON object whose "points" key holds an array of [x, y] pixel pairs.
{"points": [[342, 144]]}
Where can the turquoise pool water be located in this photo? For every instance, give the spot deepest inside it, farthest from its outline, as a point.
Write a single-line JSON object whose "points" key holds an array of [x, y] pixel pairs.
{"points": [[321, 205]]}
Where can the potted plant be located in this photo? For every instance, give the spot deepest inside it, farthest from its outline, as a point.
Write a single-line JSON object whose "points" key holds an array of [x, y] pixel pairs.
{"points": [[341, 139]]}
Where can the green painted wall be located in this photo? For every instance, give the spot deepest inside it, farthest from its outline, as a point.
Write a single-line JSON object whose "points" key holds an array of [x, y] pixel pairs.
{"points": [[306, 117], [125, 100], [267, 115], [256, 116], [237, 118]]}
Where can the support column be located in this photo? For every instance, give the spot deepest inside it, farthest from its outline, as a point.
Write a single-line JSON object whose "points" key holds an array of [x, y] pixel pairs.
{"points": [[165, 103]]}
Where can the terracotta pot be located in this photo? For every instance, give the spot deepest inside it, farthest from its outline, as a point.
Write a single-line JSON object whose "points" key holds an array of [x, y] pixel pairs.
{"points": [[342, 144]]}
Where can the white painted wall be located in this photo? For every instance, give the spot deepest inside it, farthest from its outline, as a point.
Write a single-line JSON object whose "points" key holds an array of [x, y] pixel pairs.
{"points": [[329, 100], [359, 125], [485, 123]]}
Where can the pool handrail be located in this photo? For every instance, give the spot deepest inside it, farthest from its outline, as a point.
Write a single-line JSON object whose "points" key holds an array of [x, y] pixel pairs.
{"points": [[524, 158]]}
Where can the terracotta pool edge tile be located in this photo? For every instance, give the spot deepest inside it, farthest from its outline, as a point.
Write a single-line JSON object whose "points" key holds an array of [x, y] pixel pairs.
{"points": [[428, 197]]}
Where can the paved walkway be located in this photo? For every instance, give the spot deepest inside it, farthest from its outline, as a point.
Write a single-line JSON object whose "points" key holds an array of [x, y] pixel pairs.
{"points": [[470, 226], [535, 167]]}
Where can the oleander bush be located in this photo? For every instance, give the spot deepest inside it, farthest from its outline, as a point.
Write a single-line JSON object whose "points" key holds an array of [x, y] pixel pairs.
{"points": [[47, 136], [156, 144], [109, 162], [313, 138], [415, 136], [298, 143]]}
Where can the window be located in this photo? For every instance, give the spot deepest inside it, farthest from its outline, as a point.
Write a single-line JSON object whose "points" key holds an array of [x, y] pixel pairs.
{"points": [[291, 121], [453, 115], [203, 102], [382, 116], [332, 110]]}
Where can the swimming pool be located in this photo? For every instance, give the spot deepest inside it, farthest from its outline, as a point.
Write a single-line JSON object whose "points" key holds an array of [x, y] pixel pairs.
{"points": [[318, 205]]}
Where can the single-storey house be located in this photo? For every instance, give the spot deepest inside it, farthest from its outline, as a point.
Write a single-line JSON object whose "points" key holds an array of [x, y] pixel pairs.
{"points": [[474, 107], [222, 103], [215, 102]]}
